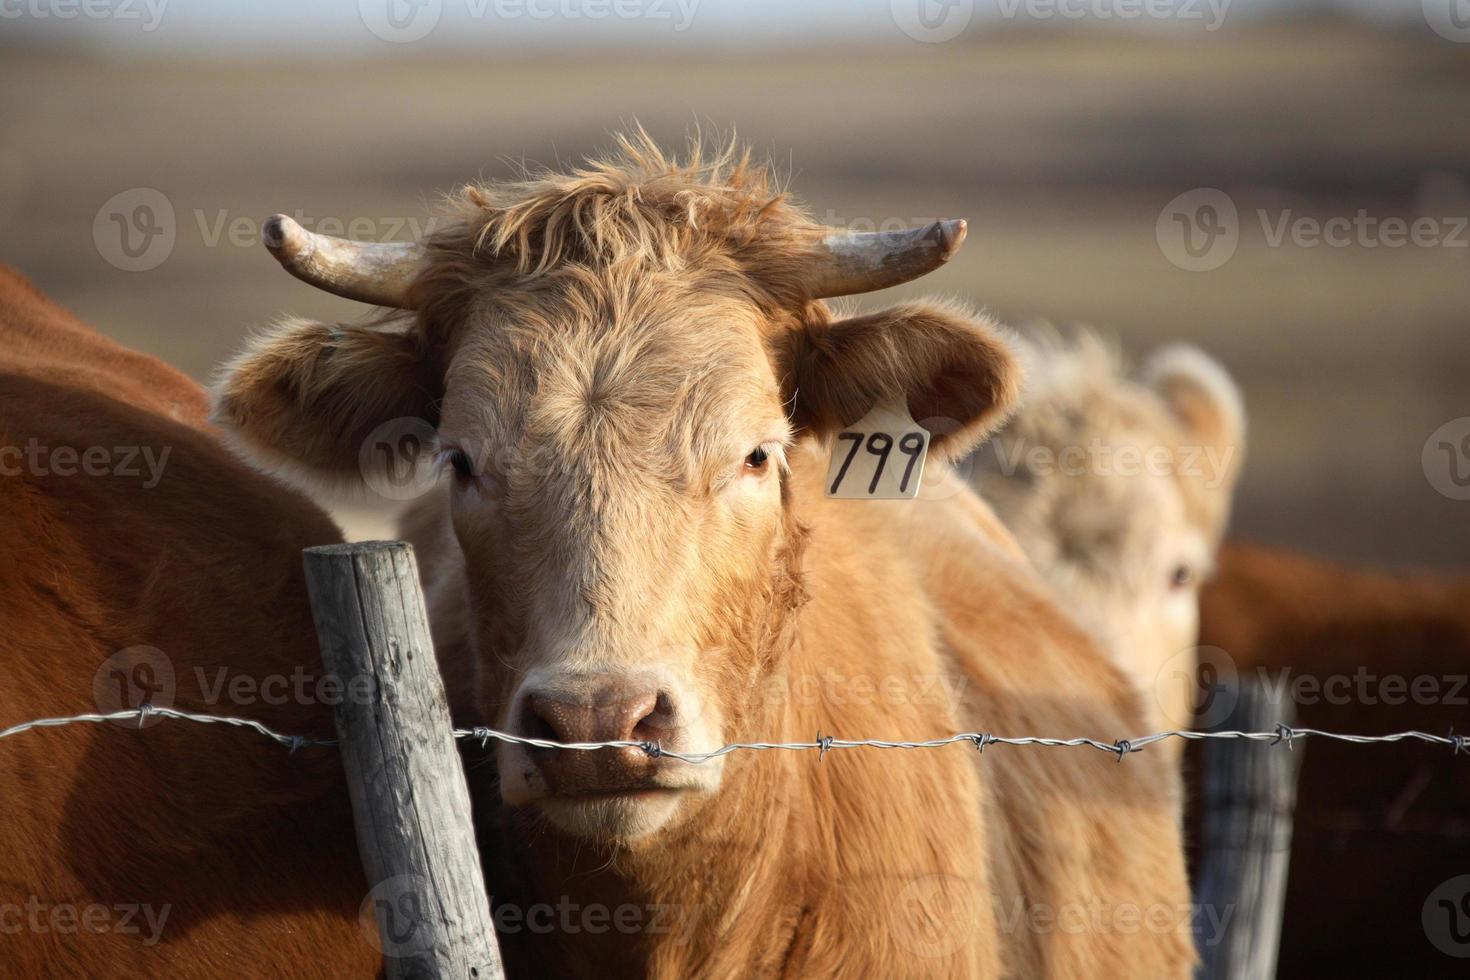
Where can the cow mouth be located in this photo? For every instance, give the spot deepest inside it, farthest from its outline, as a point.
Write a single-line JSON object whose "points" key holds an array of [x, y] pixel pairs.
{"points": [[612, 812], [574, 795], [616, 793]]}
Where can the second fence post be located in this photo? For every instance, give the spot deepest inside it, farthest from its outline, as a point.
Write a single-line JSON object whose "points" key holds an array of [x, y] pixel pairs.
{"points": [[410, 804], [1248, 800]]}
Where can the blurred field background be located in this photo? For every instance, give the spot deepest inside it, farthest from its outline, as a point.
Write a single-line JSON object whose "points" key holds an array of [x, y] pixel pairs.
{"points": [[1061, 142]]}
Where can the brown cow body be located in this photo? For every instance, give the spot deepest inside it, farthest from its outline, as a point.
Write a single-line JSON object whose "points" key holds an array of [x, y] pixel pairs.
{"points": [[181, 850], [1377, 828]]}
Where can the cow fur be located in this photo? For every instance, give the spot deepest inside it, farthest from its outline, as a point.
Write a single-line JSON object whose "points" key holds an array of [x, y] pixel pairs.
{"points": [[180, 850]]}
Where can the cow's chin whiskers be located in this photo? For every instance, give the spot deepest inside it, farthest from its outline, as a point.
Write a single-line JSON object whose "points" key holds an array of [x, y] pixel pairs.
{"points": [[614, 819], [609, 810]]}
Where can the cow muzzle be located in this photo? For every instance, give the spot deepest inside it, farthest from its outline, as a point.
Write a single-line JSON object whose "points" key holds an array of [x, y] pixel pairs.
{"points": [[641, 708], [618, 710], [614, 793]]}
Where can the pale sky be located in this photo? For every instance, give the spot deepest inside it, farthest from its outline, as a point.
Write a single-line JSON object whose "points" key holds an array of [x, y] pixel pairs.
{"points": [[225, 28]]}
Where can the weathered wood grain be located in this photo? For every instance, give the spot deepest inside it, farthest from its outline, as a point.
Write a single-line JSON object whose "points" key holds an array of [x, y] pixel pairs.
{"points": [[410, 803]]}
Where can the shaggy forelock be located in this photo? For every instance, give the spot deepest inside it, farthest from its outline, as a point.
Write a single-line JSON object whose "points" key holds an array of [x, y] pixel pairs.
{"points": [[635, 206]]}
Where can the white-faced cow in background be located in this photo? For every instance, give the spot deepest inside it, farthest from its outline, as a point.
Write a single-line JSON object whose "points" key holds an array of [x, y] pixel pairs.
{"points": [[634, 379], [1119, 489]]}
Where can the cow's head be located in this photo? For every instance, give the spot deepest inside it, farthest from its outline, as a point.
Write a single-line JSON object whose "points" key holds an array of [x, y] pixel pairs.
{"points": [[1118, 489], [618, 364]]}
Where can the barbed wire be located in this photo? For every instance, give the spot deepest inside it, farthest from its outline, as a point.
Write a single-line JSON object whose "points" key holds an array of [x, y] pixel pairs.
{"points": [[1283, 734], [145, 711]]}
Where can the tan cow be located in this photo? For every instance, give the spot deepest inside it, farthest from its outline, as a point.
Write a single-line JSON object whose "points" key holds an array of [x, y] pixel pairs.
{"points": [[1118, 489], [634, 380]]}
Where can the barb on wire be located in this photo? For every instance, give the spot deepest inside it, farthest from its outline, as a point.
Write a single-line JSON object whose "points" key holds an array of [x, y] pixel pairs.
{"points": [[825, 743]]}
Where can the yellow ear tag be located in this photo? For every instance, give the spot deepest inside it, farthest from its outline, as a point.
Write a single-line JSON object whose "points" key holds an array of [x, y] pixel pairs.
{"points": [[880, 456]]}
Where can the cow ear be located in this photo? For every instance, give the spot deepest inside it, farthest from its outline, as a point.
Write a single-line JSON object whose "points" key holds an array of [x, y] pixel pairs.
{"points": [[306, 395], [957, 375], [1204, 399]]}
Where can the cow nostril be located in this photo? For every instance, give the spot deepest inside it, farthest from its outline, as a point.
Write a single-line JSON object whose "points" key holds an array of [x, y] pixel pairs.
{"points": [[656, 723], [613, 713], [536, 715]]}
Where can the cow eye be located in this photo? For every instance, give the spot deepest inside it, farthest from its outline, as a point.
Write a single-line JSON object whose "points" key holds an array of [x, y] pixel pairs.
{"points": [[1182, 576], [463, 465], [757, 459]]}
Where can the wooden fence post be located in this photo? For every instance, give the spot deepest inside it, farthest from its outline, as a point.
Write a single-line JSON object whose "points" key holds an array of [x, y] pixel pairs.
{"points": [[1248, 797], [410, 804]]}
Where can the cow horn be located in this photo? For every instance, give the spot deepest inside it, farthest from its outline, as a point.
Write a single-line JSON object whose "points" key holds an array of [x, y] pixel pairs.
{"points": [[370, 272], [862, 261]]}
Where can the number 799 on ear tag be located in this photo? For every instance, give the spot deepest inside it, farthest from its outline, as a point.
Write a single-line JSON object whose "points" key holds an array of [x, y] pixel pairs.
{"points": [[879, 457]]}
